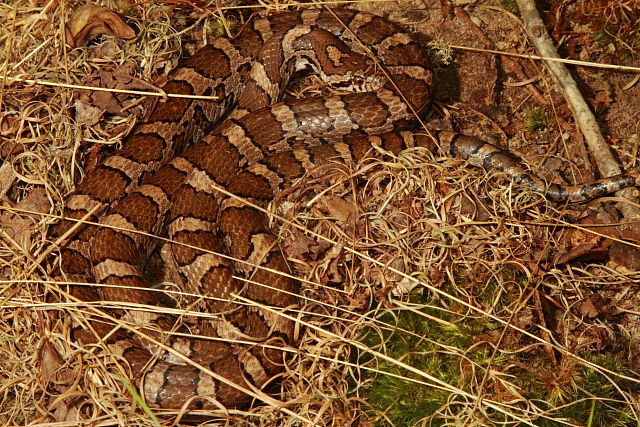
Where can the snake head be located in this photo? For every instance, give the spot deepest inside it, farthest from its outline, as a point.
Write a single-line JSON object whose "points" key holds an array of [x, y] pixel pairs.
{"points": [[357, 82]]}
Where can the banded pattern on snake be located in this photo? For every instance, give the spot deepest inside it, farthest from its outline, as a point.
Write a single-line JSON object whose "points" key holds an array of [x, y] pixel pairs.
{"points": [[164, 180]]}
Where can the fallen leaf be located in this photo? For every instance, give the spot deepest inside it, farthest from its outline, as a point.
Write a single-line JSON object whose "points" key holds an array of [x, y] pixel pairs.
{"points": [[7, 176], [20, 226], [595, 339], [339, 208], [111, 102], [591, 242], [624, 256], [86, 114], [300, 245], [52, 369], [50, 362], [330, 265], [8, 124], [91, 21], [587, 308]]}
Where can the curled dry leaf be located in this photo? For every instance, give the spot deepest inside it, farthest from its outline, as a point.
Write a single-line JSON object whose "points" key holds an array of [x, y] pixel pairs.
{"points": [[52, 369], [7, 176], [8, 124], [50, 362], [341, 209], [91, 21], [20, 227], [587, 309]]}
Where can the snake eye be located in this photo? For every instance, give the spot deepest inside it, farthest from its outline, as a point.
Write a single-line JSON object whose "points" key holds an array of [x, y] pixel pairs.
{"points": [[358, 83]]}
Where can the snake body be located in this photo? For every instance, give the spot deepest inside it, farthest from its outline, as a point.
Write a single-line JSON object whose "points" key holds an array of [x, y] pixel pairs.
{"points": [[166, 180]]}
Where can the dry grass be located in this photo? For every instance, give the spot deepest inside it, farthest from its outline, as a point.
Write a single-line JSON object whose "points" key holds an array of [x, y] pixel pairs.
{"points": [[428, 292]]}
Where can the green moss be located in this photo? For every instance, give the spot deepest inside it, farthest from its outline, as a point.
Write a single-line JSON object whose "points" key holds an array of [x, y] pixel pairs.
{"points": [[510, 6], [535, 118], [402, 401], [602, 37], [215, 28], [476, 356], [573, 391]]}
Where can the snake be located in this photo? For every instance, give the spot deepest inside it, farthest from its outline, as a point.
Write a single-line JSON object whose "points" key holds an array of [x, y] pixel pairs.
{"points": [[199, 171]]}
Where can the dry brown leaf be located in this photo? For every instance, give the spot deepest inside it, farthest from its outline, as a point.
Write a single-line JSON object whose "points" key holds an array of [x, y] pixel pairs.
{"points": [[7, 176], [111, 102], [19, 227], [8, 124], [587, 308], [625, 257], [91, 21], [331, 265], [300, 245], [339, 208], [86, 114], [591, 243], [50, 362]]}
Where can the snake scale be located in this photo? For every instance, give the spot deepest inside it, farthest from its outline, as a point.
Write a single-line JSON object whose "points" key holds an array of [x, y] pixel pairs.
{"points": [[164, 179]]}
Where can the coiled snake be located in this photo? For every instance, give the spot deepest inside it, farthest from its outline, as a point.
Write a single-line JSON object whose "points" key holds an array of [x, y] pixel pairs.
{"points": [[164, 180]]}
